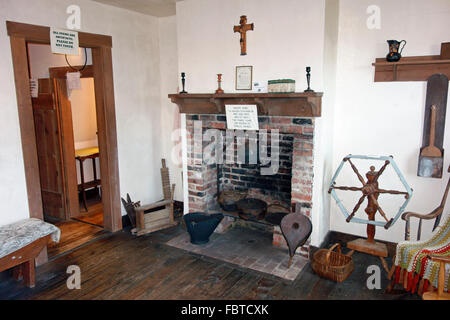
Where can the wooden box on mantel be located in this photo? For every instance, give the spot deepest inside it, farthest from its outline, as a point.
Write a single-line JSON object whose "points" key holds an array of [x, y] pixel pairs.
{"points": [[410, 68], [301, 104]]}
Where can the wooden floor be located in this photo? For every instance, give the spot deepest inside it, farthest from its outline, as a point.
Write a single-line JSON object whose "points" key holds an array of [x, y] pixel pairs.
{"points": [[94, 216], [87, 227], [74, 234], [122, 266]]}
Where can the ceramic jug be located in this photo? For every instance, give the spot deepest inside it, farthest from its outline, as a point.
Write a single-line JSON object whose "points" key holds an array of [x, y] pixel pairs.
{"points": [[394, 54]]}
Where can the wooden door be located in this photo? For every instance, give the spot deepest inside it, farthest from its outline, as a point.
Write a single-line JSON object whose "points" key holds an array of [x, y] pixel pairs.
{"points": [[67, 148], [48, 143]]}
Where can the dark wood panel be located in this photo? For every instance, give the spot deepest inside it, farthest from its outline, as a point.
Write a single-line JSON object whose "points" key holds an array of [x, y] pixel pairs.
{"points": [[418, 68], [40, 34], [48, 142], [437, 91]]}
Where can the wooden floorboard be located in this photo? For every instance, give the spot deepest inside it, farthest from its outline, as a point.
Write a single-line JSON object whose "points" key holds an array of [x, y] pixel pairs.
{"points": [[73, 235], [122, 266]]}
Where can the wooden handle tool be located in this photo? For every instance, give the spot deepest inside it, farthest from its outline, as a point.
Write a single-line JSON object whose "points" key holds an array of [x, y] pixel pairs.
{"points": [[431, 150]]}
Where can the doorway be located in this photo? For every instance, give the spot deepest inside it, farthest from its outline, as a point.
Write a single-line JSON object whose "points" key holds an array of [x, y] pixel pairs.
{"points": [[100, 46], [66, 129]]}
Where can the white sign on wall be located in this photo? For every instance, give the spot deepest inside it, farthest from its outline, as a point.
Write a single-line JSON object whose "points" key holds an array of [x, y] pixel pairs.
{"points": [[64, 41], [242, 116], [73, 80]]}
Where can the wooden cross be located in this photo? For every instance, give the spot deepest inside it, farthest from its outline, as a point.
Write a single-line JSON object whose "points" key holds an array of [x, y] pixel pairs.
{"points": [[242, 29]]}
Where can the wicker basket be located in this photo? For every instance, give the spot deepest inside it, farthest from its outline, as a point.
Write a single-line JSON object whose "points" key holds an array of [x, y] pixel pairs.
{"points": [[332, 265]]}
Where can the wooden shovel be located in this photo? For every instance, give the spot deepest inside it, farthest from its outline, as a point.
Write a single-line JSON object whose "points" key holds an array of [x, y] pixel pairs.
{"points": [[431, 150]]}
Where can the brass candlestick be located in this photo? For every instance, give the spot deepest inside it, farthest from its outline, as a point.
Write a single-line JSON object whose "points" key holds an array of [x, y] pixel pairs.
{"points": [[219, 80]]}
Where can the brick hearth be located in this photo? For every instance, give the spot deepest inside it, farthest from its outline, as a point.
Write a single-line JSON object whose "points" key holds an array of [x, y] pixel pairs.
{"points": [[296, 136]]}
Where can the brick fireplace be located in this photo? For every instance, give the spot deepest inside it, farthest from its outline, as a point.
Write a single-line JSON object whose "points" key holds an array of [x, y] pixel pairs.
{"points": [[292, 184]]}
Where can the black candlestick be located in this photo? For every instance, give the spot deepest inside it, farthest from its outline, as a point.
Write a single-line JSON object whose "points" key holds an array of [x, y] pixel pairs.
{"points": [[182, 82], [308, 79]]}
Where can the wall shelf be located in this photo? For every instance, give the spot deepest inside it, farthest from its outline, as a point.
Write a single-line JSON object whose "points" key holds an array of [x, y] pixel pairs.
{"points": [[410, 68], [271, 104]]}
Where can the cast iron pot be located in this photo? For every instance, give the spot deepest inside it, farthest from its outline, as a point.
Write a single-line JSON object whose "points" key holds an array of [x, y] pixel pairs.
{"points": [[251, 209]]}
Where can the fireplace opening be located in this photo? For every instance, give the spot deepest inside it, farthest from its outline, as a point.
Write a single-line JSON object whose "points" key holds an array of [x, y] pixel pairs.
{"points": [[246, 175], [246, 171]]}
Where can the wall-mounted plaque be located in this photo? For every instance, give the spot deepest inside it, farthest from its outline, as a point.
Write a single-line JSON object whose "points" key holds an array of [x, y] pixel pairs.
{"points": [[242, 116], [244, 76]]}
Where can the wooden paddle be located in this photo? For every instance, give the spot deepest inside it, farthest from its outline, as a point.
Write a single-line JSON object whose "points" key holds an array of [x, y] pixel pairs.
{"points": [[431, 150]]}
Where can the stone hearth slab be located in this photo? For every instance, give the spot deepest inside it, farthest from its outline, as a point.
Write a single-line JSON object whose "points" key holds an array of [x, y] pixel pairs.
{"points": [[246, 248]]}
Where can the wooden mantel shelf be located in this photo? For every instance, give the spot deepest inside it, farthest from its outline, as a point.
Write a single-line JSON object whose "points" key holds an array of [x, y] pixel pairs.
{"points": [[271, 104], [410, 68]]}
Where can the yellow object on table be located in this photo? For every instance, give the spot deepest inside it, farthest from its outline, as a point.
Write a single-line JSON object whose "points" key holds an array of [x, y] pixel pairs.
{"points": [[86, 152]]}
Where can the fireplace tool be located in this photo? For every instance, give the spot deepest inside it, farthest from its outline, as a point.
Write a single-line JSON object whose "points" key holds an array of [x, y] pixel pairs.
{"points": [[296, 229], [371, 191]]}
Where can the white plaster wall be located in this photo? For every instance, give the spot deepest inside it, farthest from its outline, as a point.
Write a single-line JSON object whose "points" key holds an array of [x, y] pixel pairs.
{"points": [[135, 57], [288, 36], [170, 116], [327, 121], [386, 118], [84, 120]]}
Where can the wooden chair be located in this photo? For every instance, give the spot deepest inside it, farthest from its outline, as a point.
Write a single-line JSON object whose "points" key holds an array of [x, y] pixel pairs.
{"points": [[436, 213], [147, 219], [419, 251]]}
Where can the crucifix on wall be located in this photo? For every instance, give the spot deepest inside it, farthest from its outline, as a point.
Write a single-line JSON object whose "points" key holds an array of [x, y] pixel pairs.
{"points": [[242, 28]]}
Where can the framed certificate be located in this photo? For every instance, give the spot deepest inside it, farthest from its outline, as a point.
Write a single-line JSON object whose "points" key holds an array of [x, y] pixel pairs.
{"points": [[244, 75]]}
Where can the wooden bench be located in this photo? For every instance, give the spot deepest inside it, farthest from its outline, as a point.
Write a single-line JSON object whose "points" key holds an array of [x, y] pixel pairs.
{"points": [[20, 244]]}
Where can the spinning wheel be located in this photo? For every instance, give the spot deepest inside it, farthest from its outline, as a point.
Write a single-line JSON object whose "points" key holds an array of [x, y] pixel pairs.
{"points": [[371, 191]]}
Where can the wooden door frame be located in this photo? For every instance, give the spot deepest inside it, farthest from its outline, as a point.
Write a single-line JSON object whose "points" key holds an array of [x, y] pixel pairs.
{"points": [[20, 34]]}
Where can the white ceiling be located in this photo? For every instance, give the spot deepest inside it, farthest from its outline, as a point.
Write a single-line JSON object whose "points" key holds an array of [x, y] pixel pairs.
{"points": [[158, 8]]}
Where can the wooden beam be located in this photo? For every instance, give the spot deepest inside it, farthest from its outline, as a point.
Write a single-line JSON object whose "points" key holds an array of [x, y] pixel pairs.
{"points": [[418, 68], [107, 137], [270, 104], [60, 72], [40, 34]]}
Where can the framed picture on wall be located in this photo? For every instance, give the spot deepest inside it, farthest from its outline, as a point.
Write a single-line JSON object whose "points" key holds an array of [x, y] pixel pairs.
{"points": [[244, 76]]}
